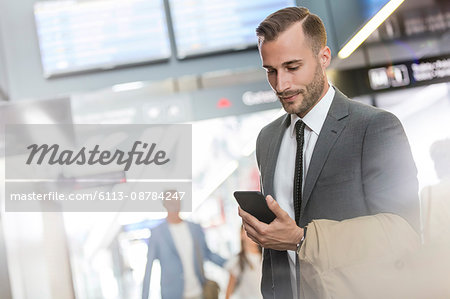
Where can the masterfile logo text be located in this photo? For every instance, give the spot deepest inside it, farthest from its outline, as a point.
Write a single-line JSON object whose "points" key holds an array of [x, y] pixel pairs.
{"points": [[53, 155], [97, 167]]}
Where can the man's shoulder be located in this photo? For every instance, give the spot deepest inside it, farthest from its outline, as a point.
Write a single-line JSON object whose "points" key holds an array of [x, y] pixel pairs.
{"points": [[367, 111], [354, 105], [163, 227], [371, 120], [274, 126], [160, 227], [371, 113], [357, 106]]}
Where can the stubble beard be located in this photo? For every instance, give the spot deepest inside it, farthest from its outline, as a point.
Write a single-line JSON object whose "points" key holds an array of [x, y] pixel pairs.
{"points": [[310, 94]]}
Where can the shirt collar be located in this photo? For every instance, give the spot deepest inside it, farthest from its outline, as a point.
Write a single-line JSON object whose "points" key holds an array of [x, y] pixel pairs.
{"points": [[315, 118]]}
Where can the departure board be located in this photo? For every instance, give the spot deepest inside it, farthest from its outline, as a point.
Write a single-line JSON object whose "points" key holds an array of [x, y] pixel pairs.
{"points": [[78, 36], [371, 7], [208, 26]]}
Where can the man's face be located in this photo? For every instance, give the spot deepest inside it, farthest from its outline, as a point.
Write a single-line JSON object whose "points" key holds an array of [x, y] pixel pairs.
{"points": [[295, 74], [172, 206]]}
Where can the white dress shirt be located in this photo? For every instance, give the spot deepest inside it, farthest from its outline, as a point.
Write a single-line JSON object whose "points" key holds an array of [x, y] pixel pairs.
{"points": [[284, 171]]}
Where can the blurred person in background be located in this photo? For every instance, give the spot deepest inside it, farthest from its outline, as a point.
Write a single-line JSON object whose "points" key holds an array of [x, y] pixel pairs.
{"points": [[245, 271], [435, 199], [181, 249]]}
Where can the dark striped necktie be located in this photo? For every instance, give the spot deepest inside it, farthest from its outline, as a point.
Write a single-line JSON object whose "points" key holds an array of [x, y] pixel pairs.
{"points": [[298, 176], [298, 181]]}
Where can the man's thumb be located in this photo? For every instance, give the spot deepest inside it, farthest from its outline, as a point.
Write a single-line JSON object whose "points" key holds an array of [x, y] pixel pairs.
{"points": [[274, 206]]}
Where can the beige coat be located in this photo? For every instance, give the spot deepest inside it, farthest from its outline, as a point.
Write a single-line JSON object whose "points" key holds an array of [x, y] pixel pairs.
{"points": [[435, 212], [376, 256]]}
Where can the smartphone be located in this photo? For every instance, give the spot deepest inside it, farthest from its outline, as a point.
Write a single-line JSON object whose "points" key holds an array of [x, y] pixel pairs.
{"points": [[254, 202]]}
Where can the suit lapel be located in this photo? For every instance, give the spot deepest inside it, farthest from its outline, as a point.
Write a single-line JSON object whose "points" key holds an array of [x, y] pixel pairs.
{"points": [[334, 124], [274, 149]]}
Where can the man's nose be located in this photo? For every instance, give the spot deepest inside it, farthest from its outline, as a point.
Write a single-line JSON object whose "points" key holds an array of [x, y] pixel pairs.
{"points": [[283, 82]]}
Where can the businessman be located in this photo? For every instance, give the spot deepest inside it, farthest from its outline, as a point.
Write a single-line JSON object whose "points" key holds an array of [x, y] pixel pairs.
{"points": [[328, 157]]}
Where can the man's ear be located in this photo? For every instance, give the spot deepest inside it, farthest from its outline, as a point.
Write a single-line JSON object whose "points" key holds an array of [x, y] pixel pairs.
{"points": [[325, 57]]}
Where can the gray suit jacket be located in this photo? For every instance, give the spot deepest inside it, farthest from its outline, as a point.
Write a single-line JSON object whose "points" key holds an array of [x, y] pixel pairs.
{"points": [[361, 165]]}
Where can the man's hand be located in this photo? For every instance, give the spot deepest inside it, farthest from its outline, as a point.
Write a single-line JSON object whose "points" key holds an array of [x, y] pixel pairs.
{"points": [[281, 234]]}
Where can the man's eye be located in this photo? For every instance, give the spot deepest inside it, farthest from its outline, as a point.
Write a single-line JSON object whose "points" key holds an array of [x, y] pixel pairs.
{"points": [[270, 71], [292, 68]]}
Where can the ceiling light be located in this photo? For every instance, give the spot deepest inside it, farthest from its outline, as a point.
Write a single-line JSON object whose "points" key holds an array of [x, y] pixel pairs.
{"points": [[370, 27]]}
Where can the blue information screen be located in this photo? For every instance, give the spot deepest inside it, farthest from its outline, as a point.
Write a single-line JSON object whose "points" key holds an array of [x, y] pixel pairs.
{"points": [[77, 36], [207, 26], [371, 7]]}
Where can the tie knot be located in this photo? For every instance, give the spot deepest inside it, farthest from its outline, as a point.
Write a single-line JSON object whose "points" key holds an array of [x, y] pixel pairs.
{"points": [[299, 128]]}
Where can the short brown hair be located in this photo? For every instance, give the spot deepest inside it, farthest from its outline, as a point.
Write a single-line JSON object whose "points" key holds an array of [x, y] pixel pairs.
{"points": [[279, 21]]}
